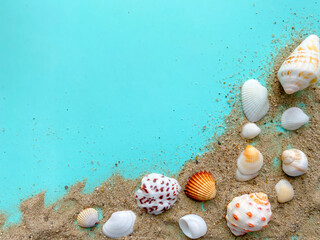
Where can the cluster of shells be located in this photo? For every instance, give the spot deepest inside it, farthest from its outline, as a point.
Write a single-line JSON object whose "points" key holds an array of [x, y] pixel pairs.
{"points": [[246, 213]]}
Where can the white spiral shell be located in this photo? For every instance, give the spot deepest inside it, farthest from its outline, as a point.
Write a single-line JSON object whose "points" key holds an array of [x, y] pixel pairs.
{"points": [[254, 100], [302, 67], [250, 130], [284, 191], [120, 224], [294, 162], [88, 217], [293, 118], [193, 226]]}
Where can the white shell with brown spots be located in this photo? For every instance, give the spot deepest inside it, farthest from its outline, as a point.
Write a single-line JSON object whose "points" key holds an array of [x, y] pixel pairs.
{"points": [[157, 193], [248, 213]]}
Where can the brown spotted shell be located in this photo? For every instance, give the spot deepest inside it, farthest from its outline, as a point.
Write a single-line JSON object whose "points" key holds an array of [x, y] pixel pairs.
{"points": [[201, 186]]}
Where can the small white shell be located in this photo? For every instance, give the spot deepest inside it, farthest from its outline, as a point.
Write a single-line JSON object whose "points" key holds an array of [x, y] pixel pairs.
{"points": [[293, 118], [250, 130], [193, 226], [254, 100], [120, 224], [294, 162], [88, 217], [284, 191]]}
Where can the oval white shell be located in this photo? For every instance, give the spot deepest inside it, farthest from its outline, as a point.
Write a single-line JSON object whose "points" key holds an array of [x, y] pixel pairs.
{"points": [[302, 67], [193, 226], [254, 100], [248, 169], [88, 217], [250, 130], [248, 213], [120, 224], [284, 191], [293, 118], [294, 162]]}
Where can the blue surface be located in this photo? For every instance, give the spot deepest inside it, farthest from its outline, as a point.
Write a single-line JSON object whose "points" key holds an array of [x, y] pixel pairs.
{"points": [[88, 84]]}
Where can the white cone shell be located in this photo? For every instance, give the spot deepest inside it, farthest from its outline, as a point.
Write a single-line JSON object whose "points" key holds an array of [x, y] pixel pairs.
{"points": [[245, 177], [302, 67], [294, 162], [88, 217], [193, 226], [250, 130], [284, 191], [248, 168], [120, 224], [254, 100], [293, 118]]}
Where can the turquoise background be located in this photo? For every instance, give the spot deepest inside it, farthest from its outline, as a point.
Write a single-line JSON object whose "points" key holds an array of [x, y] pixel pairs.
{"points": [[85, 85]]}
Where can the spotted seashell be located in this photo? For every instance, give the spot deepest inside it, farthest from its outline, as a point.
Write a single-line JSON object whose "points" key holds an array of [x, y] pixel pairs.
{"points": [[302, 67], [88, 218]]}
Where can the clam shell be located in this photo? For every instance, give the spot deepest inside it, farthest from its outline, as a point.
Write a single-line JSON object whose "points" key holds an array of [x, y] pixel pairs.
{"points": [[302, 67], [284, 191], [193, 226], [201, 186], [120, 224], [88, 217], [293, 118], [254, 100], [294, 162], [250, 130]]}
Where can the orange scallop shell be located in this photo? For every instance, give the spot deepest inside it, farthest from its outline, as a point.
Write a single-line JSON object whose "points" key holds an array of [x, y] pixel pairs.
{"points": [[201, 186]]}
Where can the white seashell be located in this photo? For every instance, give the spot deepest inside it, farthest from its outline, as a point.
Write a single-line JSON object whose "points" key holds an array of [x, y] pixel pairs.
{"points": [[193, 226], [284, 191], [302, 67], [293, 118], [88, 217], [254, 100], [120, 224], [248, 213], [249, 163], [250, 130], [294, 162]]}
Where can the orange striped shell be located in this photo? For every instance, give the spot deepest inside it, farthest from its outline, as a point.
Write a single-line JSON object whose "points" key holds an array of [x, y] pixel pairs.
{"points": [[201, 186]]}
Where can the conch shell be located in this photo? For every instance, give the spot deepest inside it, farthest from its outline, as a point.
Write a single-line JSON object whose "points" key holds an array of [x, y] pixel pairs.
{"points": [[302, 67], [88, 218], [248, 213], [294, 162], [249, 163], [201, 186]]}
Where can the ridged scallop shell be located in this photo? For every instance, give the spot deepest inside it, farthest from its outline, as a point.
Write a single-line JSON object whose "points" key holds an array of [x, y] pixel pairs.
{"points": [[284, 191], [302, 67], [250, 130], [120, 224], [294, 162], [193, 226], [248, 213], [293, 118], [249, 163], [201, 186], [88, 217], [254, 100]]}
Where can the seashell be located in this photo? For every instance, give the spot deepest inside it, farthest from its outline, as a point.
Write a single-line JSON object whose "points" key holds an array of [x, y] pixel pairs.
{"points": [[302, 67], [248, 213], [249, 163], [88, 218], [120, 224], [254, 100], [250, 130], [193, 226], [294, 162], [284, 191], [201, 186], [293, 118], [157, 193]]}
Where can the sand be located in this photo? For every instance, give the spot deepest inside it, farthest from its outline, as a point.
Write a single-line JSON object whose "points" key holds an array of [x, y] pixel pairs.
{"points": [[297, 219]]}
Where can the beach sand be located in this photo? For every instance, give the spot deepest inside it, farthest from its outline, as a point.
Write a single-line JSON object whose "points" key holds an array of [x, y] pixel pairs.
{"points": [[297, 219]]}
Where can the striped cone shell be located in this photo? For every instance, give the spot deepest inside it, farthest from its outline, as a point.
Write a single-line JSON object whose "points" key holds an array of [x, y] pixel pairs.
{"points": [[201, 186]]}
